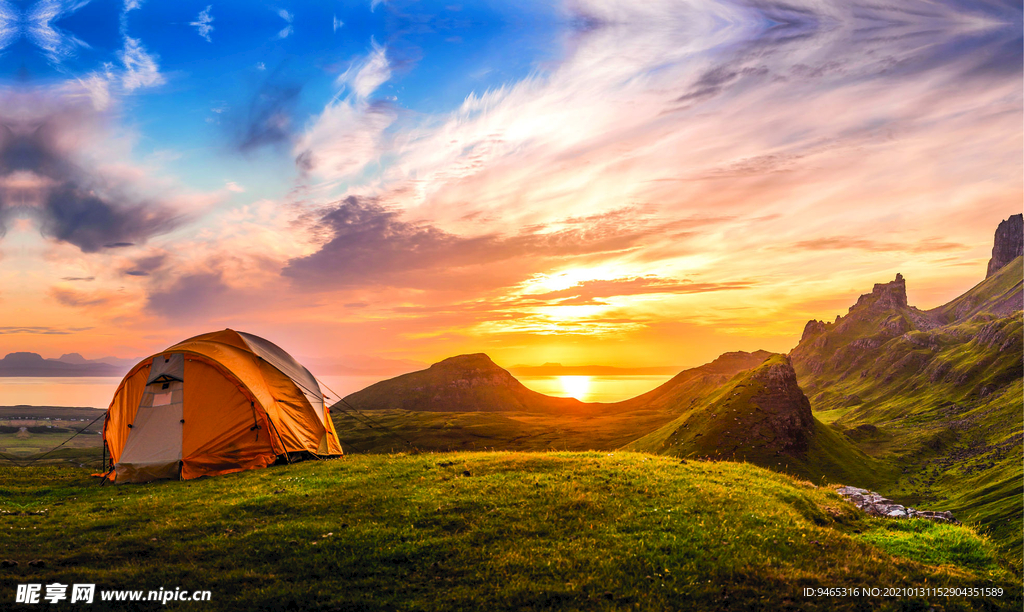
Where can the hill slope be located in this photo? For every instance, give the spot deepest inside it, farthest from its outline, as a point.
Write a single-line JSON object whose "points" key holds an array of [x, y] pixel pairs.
{"points": [[485, 531], [689, 386], [763, 417], [936, 392]]}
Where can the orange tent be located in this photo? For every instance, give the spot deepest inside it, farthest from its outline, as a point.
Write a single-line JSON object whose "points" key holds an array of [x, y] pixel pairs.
{"points": [[214, 404]]}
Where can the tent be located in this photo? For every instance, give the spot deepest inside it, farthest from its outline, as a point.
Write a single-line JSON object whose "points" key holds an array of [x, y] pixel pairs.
{"points": [[217, 403]]}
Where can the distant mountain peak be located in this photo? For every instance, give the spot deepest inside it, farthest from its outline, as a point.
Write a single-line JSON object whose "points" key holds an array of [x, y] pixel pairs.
{"points": [[32, 364], [464, 383], [23, 357], [471, 361], [1008, 243], [73, 358], [884, 296]]}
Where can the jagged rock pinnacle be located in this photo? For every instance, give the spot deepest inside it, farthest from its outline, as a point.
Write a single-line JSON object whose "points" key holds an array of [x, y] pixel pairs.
{"points": [[885, 296], [1008, 244]]}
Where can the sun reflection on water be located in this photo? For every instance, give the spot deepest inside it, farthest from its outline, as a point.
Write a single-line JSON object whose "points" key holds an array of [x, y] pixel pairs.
{"points": [[575, 386]]}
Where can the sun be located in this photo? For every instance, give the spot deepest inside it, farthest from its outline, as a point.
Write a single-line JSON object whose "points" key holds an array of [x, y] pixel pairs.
{"points": [[575, 386]]}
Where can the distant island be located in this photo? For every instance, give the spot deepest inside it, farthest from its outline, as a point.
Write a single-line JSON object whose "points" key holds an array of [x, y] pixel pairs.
{"points": [[70, 364]]}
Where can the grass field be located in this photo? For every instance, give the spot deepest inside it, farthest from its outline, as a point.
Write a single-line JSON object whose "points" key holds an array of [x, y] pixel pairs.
{"points": [[385, 431], [485, 531]]}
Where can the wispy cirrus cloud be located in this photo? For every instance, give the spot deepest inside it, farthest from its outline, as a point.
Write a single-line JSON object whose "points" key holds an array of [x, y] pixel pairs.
{"points": [[287, 30], [10, 26], [43, 331], [55, 43], [753, 110], [591, 292], [140, 67], [930, 245], [204, 23], [348, 133]]}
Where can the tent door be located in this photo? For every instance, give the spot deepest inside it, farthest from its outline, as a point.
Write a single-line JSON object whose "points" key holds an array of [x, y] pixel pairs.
{"points": [[153, 448]]}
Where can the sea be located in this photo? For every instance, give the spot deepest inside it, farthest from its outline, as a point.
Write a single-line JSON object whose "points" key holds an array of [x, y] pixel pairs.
{"points": [[96, 391]]}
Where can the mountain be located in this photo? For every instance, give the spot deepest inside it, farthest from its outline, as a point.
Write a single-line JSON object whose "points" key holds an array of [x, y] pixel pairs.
{"points": [[466, 383], [763, 417], [73, 364], [937, 393], [883, 346]]}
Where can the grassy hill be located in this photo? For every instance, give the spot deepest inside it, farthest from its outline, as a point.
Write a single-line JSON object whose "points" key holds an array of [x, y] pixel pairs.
{"points": [[485, 531], [466, 383], [936, 393], [761, 416]]}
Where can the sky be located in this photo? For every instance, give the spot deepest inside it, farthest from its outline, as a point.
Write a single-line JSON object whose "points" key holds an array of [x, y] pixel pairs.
{"points": [[584, 182]]}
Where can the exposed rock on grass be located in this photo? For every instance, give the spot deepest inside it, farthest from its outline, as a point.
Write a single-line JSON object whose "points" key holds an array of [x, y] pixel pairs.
{"points": [[876, 505]]}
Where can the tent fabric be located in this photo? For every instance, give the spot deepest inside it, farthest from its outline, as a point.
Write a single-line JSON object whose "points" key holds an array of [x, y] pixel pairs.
{"points": [[213, 404], [272, 354], [153, 449], [166, 368]]}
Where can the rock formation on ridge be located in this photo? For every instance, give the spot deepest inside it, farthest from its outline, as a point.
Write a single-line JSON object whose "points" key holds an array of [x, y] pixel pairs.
{"points": [[1009, 243]]}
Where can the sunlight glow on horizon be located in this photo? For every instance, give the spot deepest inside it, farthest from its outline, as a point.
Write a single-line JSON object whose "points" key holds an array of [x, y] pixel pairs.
{"points": [[575, 386]]}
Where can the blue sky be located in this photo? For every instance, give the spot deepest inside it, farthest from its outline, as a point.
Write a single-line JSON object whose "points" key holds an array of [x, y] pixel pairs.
{"points": [[212, 78]]}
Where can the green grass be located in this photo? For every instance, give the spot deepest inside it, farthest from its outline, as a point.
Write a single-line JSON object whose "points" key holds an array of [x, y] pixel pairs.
{"points": [[483, 531], [455, 431], [932, 543], [34, 443]]}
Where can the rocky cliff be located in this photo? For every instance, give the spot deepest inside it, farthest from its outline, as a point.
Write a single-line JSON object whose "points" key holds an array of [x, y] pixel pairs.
{"points": [[786, 411], [1009, 243], [885, 296]]}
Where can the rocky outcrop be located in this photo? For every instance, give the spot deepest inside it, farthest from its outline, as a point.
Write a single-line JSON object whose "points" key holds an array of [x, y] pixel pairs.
{"points": [[787, 421], [813, 327], [1008, 244], [876, 505], [884, 296]]}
